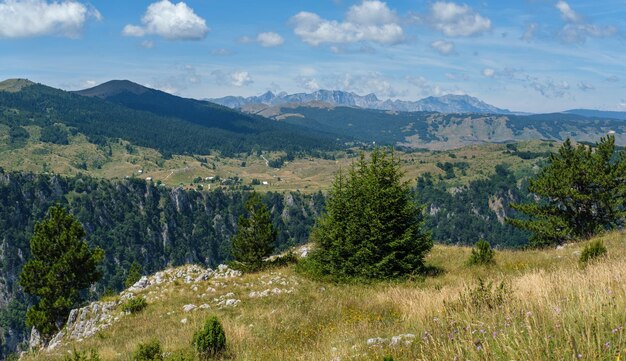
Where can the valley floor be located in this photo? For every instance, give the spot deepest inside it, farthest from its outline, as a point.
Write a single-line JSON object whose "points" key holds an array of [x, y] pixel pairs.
{"points": [[532, 305]]}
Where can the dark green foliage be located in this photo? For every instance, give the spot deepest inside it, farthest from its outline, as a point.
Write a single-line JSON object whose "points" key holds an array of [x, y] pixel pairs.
{"points": [[255, 235], [149, 351], [134, 274], [482, 254], [157, 120], [593, 250], [92, 355], [18, 135], [132, 221], [582, 192], [135, 305], [62, 264], [54, 134], [210, 340], [473, 209], [372, 225], [388, 358]]}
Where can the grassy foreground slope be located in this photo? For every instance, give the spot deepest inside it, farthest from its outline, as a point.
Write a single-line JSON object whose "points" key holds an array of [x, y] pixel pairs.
{"points": [[549, 308]]}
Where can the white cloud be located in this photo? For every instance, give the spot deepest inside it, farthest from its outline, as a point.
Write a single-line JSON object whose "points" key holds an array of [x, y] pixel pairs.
{"points": [[443, 47], [269, 39], [567, 13], [237, 78], [372, 20], [426, 88], [28, 18], [577, 29], [308, 83], [622, 105], [170, 21], [489, 72], [148, 44], [457, 20], [612, 79]]}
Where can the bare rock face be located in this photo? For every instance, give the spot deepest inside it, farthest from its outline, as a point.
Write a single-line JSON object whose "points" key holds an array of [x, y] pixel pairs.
{"points": [[85, 322]]}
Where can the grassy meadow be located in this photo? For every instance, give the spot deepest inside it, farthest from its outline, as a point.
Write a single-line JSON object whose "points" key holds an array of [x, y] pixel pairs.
{"points": [[121, 159], [532, 305]]}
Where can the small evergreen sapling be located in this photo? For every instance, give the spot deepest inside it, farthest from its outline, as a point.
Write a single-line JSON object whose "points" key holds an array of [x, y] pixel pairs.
{"points": [[211, 339], [482, 254], [134, 274], [255, 236], [149, 351]]}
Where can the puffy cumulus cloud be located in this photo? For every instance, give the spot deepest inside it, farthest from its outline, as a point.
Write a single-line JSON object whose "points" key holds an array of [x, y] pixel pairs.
{"points": [[29, 18], [489, 72], [170, 21], [269, 39], [577, 29], [372, 20], [182, 78], [457, 20], [237, 78], [443, 47]]}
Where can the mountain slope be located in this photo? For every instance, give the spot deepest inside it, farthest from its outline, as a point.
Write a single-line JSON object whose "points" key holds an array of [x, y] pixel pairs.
{"points": [[597, 113], [154, 119], [529, 304], [444, 131], [443, 104]]}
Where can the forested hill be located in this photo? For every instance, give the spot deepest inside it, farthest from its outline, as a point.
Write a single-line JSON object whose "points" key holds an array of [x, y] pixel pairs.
{"points": [[132, 221], [154, 119]]}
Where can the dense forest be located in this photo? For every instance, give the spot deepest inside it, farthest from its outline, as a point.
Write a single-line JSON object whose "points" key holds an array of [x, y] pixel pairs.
{"points": [[226, 131], [135, 221], [131, 220]]}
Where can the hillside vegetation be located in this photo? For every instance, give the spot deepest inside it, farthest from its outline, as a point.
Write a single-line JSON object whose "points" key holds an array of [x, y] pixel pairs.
{"points": [[532, 305]]}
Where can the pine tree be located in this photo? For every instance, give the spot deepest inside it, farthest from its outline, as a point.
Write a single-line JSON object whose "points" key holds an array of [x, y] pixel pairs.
{"points": [[134, 274], [255, 235], [581, 192], [62, 264], [372, 225]]}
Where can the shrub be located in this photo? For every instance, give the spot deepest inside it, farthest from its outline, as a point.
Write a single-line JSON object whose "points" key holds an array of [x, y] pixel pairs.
{"points": [[149, 351], [135, 305], [134, 274], [484, 295], [592, 251], [92, 355], [210, 340], [482, 254]]}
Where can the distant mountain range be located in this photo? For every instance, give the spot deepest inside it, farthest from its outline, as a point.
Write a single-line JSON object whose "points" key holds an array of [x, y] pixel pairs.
{"points": [[443, 104]]}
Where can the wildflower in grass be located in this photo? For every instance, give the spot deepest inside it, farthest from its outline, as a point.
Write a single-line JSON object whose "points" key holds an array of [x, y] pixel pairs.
{"points": [[494, 334]]}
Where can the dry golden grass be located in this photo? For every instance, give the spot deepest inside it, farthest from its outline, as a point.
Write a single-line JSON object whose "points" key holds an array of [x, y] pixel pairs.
{"points": [[552, 309]]}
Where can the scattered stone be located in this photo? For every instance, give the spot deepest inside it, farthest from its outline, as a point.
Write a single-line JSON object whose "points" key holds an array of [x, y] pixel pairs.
{"points": [[184, 321], [189, 308]]}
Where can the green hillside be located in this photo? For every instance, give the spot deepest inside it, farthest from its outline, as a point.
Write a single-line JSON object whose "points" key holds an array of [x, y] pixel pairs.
{"points": [[533, 305], [208, 128]]}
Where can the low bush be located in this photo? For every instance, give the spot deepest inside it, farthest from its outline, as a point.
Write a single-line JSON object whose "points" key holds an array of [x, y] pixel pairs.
{"points": [[135, 304], [592, 251], [210, 340], [149, 351], [92, 355], [482, 254]]}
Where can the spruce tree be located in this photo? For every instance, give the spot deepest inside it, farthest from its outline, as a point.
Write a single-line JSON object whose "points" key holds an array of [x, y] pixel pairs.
{"points": [[580, 193], [134, 274], [255, 235], [62, 264], [372, 225]]}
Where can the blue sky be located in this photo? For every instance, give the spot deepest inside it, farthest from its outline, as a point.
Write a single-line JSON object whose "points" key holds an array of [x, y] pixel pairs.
{"points": [[525, 55]]}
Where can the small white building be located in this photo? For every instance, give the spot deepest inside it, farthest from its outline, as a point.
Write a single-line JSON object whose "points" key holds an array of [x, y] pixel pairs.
{"points": [[149, 179], [140, 171], [265, 183]]}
